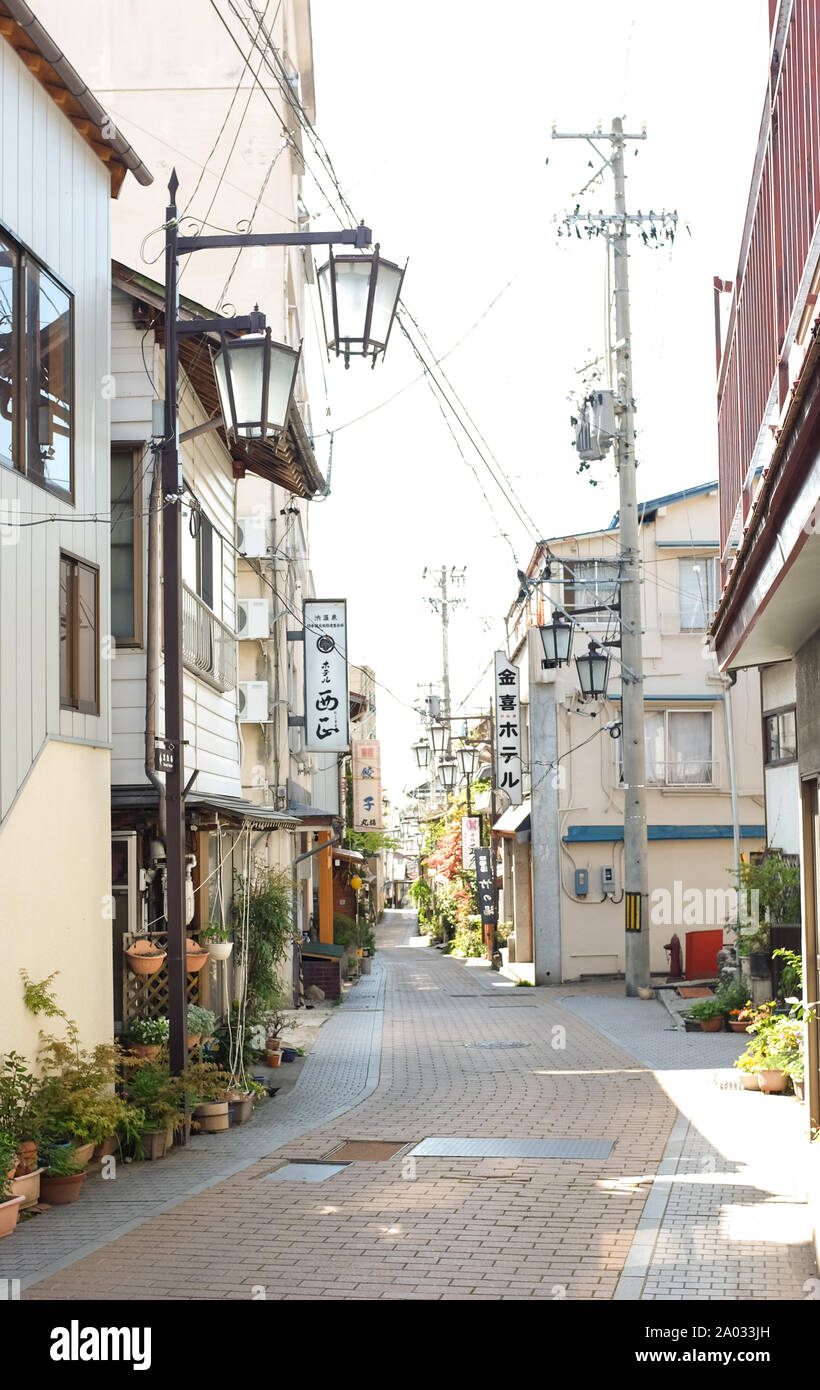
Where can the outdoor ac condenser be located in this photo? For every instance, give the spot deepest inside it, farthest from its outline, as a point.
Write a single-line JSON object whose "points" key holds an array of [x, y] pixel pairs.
{"points": [[253, 702], [251, 537], [252, 617]]}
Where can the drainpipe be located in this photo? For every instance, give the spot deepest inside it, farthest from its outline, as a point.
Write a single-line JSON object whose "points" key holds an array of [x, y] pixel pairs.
{"points": [[153, 654], [727, 682]]}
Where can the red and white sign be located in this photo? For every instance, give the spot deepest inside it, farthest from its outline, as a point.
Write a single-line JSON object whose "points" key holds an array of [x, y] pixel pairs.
{"points": [[367, 785], [470, 839]]}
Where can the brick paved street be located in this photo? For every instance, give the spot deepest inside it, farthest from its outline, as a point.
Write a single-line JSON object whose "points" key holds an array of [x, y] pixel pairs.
{"points": [[467, 1227]]}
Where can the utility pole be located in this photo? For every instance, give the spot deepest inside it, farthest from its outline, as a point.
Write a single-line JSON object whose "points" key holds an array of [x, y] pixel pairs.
{"points": [[615, 228], [442, 605]]}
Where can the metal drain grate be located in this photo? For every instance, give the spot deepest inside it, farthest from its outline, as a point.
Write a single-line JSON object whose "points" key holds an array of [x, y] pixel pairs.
{"points": [[512, 1148], [305, 1172], [496, 1044]]}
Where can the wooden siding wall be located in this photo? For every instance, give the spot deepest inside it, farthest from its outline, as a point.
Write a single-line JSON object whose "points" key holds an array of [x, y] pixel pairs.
{"points": [[55, 197], [210, 715]]}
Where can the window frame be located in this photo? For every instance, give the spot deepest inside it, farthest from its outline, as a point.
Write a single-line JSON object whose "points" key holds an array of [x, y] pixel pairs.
{"points": [[136, 448], [78, 705], [570, 584], [19, 397], [712, 563], [776, 713], [662, 784]]}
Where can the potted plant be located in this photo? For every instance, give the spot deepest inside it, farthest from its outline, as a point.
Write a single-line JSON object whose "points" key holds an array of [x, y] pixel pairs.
{"points": [[201, 1024], [146, 1036], [195, 956], [746, 1064], [709, 1013], [208, 1086], [76, 1102], [63, 1176], [216, 939], [10, 1202], [145, 957], [773, 1072], [156, 1099], [739, 1019], [18, 1096]]}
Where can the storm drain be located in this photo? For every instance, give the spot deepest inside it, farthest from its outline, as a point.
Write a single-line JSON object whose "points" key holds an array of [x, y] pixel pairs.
{"points": [[512, 1148], [496, 1044], [367, 1150], [305, 1172]]}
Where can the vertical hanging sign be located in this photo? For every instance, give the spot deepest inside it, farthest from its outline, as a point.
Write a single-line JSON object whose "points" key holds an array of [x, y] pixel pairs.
{"points": [[367, 785], [485, 885], [470, 839], [327, 709], [507, 729]]}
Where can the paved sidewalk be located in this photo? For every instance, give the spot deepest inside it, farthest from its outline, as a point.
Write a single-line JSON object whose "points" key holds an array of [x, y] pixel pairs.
{"points": [[465, 1054]]}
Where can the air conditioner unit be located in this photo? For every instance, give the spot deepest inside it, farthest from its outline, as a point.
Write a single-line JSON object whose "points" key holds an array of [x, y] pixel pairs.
{"points": [[253, 701], [251, 536], [252, 617]]}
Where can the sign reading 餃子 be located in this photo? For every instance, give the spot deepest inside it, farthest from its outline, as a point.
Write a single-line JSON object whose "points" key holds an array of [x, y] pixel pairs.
{"points": [[485, 885], [470, 839], [507, 730], [367, 785], [327, 709]]}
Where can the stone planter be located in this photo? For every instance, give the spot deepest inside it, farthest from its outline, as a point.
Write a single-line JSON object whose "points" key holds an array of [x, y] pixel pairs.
{"points": [[154, 1143], [366, 965], [27, 1186], [212, 1116]]}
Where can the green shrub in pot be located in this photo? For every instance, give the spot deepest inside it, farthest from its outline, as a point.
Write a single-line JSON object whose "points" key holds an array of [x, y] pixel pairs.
{"points": [[149, 1032], [704, 1009], [201, 1021]]}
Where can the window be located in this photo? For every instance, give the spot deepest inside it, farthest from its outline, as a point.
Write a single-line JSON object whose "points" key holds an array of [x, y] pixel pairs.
{"points": [[202, 559], [126, 548], [699, 591], [780, 736], [588, 583], [678, 748], [36, 371], [79, 636]]}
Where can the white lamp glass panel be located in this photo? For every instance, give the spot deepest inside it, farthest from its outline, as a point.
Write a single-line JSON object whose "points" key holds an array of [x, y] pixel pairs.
{"points": [[283, 362], [352, 291], [326, 300], [388, 280], [246, 366]]}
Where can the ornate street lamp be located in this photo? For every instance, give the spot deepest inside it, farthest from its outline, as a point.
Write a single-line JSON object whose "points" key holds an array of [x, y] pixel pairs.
{"points": [[439, 734], [359, 296], [467, 755], [255, 379], [448, 774], [593, 672], [556, 637], [423, 753]]}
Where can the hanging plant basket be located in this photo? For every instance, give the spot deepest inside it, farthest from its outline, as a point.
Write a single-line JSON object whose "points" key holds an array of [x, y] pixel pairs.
{"points": [[145, 958], [220, 950], [195, 956]]}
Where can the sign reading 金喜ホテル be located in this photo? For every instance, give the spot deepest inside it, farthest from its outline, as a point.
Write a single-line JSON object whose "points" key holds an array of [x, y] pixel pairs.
{"points": [[485, 885], [327, 710], [470, 839], [367, 785], [508, 730]]}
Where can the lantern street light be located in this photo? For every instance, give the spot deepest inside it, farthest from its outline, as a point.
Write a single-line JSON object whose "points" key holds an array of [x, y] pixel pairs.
{"points": [[448, 773], [423, 753], [593, 672], [358, 296], [255, 379], [556, 637], [439, 735], [467, 755]]}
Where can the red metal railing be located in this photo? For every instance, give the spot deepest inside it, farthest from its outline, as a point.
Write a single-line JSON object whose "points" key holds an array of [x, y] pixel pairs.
{"points": [[781, 222]]}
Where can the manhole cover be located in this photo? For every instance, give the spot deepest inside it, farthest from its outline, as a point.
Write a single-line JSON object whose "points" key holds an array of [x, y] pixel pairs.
{"points": [[512, 1148], [368, 1150], [305, 1172], [496, 1044]]}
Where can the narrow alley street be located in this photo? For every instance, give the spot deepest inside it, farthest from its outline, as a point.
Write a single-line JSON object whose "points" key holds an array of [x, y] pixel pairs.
{"points": [[600, 1155]]}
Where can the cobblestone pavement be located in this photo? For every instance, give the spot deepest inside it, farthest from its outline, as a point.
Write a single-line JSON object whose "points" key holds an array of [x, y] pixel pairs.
{"points": [[436, 1227]]}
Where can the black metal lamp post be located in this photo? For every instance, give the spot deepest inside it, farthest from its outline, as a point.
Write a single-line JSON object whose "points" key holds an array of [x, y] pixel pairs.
{"points": [[556, 637], [255, 380], [593, 672]]}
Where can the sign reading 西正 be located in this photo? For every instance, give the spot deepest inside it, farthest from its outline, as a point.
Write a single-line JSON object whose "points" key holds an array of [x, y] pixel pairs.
{"points": [[470, 839], [485, 885], [367, 785], [327, 709], [508, 730]]}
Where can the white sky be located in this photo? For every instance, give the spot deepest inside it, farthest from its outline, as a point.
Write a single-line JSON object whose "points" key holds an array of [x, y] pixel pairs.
{"points": [[438, 117]]}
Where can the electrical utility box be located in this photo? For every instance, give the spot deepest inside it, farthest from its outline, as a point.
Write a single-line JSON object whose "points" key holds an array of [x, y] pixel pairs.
{"points": [[607, 880], [597, 426], [581, 882]]}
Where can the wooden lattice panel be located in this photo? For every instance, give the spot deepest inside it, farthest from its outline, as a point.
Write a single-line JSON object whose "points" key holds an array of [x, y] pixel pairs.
{"points": [[146, 996]]}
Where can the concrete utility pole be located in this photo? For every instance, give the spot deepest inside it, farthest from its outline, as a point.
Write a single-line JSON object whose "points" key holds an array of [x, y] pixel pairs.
{"points": [[442, 604], [615, 228]]}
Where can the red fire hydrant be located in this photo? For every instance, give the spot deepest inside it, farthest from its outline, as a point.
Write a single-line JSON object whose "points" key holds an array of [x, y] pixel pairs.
{"points": [[673, 948]]}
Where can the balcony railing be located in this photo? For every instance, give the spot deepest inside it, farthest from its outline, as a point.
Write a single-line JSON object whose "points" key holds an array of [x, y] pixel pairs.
{"points": [[777, 254], [208, 646]]}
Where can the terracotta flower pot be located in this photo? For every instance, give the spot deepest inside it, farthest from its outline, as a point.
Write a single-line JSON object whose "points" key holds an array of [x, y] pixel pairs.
{"points": [[195, 956], [109, 1146], [220, 950], [84, 1153], [145, 958], [58, 1192], [273, 1044], [772, 1081], [737, 1027], [27, 1186], [194, 1039], [26, 1157], [273, 1059], [749, 1081], [148, 1050], [712, 1025], [9, 1212]]}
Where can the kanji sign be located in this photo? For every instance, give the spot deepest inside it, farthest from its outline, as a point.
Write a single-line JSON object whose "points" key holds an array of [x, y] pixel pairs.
{"points": [[508, 730], [470, 839], [367, 785], [485, 886], [327, 710]]}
